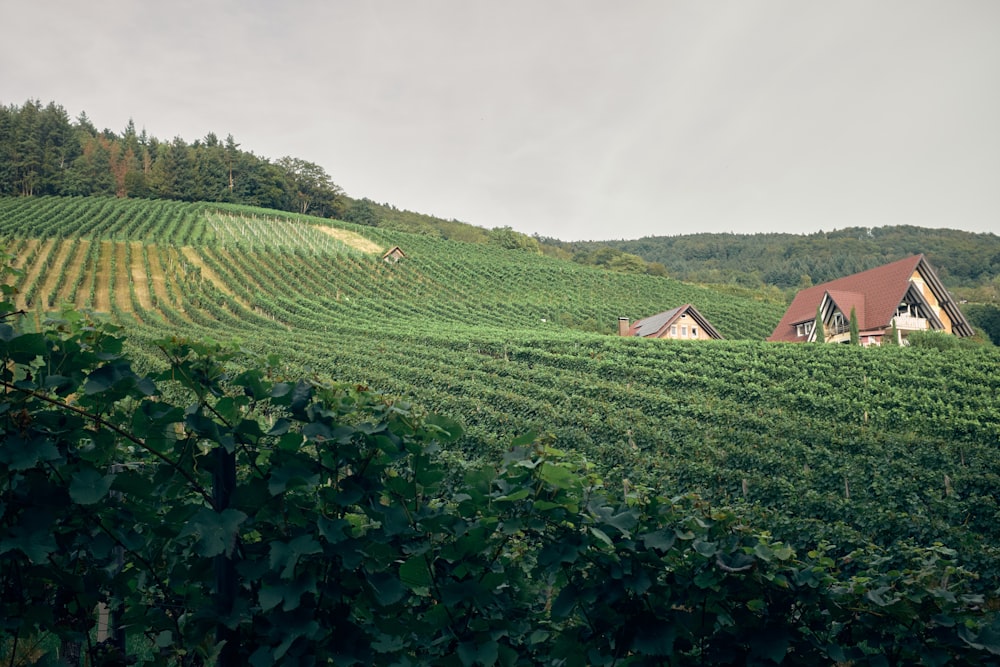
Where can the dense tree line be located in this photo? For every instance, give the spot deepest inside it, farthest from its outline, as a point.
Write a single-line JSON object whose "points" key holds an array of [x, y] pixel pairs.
{"points": [[43, 152], [791, 261]]}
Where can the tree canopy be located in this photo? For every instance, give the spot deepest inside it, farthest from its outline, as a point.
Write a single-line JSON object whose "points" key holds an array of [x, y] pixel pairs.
{"points": [[43, 152]]}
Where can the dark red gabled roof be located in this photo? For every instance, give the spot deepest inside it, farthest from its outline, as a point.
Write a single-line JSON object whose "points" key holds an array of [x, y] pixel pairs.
{"points": [[845, 301], [875, 295]]}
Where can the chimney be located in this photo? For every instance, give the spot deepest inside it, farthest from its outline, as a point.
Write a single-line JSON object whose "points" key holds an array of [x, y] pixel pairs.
{"points": [[623, 326]]}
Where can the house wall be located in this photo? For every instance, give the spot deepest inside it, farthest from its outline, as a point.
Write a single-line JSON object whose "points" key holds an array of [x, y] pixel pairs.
{"points": [[686, 323], [932, 299]]}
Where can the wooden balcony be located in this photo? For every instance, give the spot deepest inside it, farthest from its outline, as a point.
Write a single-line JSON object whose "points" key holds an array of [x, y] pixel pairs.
{"points": [[909, 323]]}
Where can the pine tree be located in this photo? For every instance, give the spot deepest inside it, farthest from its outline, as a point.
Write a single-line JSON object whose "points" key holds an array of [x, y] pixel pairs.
{"points": [[855, 334], [818, 327]]}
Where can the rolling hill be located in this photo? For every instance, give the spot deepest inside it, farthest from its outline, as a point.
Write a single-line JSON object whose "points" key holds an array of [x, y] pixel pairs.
{"points": [[829, 442]]}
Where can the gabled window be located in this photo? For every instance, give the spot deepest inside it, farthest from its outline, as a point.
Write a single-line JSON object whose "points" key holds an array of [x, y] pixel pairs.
{"points": [[804, 328]]}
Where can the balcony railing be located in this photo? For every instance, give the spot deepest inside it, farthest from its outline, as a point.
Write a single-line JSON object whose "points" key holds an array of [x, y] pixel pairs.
{"points": [[911, 323]]}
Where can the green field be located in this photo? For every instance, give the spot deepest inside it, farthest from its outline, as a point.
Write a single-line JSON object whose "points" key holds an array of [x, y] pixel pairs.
{"points": [[832, 447], [884, 444]]}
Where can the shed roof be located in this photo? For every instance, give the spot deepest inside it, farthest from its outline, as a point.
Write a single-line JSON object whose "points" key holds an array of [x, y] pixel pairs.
{"points": [[394, 250]]}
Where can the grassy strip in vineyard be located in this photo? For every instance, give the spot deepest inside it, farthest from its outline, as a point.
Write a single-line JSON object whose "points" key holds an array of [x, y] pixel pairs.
{"points": [[100, 296], [122, 292], [140, 276]]}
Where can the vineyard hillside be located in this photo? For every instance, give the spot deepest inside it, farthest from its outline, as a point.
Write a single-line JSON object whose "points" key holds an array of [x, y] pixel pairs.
{"points": [[165, 261], [832, 443]]}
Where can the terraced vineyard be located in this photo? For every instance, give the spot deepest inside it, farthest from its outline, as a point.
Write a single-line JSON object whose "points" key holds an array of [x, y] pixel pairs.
{"points": [[833, 442]]}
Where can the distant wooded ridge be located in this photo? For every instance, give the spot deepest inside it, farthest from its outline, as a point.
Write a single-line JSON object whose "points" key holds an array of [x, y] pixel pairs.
{"points": [[43, 152], [792, 261]]}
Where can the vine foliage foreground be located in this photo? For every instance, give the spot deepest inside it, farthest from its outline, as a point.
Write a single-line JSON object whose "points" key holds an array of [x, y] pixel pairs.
{"points": [[240, 518]]}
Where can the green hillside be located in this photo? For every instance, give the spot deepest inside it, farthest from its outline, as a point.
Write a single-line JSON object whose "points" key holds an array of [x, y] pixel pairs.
{"points": [[831, 442]]}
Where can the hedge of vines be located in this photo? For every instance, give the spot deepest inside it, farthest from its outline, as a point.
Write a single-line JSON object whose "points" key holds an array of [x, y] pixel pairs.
{"points": [[244, 517]]}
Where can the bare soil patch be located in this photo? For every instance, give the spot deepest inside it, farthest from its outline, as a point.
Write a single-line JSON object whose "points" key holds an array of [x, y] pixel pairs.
{"points": [[356, 241]]}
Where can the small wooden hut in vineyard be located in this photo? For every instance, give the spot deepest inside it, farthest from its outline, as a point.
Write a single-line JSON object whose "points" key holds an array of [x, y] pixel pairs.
{"points": [[393, 255]]}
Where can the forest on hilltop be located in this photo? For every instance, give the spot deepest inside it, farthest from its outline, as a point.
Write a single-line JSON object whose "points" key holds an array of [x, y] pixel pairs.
{"points": [[964, 260], [43, 152]]}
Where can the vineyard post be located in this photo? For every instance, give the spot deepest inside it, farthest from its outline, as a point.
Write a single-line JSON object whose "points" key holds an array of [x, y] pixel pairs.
{"points": [[223, 484]]}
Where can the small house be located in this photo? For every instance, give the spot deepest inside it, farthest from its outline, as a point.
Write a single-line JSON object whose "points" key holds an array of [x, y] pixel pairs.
{"points": [[393, 255], [681, 323], [904, 296]]}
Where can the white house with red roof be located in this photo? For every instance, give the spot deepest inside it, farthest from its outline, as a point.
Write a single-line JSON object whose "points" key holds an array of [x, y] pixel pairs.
{"points": [[906, 293]]}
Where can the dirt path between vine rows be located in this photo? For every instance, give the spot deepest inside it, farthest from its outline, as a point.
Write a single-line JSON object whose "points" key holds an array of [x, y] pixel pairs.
{"points": [[67, 293], [122, 295], [22, 254], [102, 288], [159, 278], [50, 281], [211, 276], [32, 275], [139, 278]]}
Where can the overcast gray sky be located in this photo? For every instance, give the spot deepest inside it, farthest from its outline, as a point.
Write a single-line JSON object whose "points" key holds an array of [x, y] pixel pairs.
{"points": [[578, 119]]}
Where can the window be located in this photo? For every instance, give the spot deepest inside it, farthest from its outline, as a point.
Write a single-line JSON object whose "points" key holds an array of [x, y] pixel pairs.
{"points": [[684, 331], [694, 332], [673, 330], [804, 329]]}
